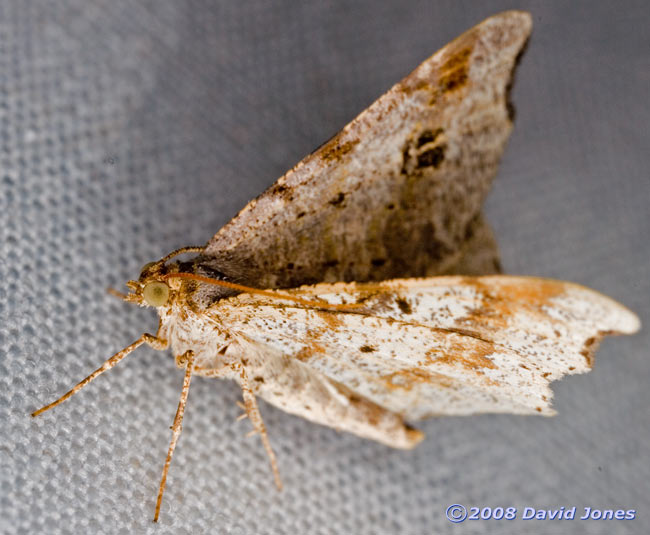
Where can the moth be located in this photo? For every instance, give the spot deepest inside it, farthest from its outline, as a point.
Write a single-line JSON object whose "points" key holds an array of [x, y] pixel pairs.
{"points": [[330, 295]]}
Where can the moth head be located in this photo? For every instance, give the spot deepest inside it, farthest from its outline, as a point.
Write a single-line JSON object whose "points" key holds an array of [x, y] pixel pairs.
{"points": [[153, 287]]}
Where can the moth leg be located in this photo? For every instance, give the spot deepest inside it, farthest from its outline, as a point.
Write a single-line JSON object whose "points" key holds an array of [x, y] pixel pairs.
{"points": [[244, 414], [253, 412], [146, 338], [177, 426]]}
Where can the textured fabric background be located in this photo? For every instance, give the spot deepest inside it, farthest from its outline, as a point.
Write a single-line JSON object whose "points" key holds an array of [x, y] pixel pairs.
{"points": [[130, 128]]}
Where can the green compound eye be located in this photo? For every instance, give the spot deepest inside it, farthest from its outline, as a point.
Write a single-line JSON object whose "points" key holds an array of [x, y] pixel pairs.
{"points": [[156, 294]]}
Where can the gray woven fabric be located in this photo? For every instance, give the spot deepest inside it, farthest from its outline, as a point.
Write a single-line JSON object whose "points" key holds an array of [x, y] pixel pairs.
{"points": [[130, 128]]}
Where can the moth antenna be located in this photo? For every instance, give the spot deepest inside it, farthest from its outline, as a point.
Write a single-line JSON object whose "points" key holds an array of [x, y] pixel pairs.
{"points": [[150, 339], [268, 293], [177, 426], [189, 249], [253, 412]]}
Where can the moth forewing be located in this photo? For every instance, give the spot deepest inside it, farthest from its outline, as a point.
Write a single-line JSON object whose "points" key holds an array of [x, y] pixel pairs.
{"points": [[396, 192], [439, 346]]}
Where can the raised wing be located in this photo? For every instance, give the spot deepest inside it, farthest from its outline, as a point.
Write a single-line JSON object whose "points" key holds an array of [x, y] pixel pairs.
{"points": [[439, 346], [396, 192]]}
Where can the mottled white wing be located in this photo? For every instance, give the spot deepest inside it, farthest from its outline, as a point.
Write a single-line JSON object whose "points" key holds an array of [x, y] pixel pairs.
{"points": [[439, 346], [395, 193]]}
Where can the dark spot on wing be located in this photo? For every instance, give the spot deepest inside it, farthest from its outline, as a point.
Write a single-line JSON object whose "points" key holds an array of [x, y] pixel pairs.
{"points": [[282, 190], [410, 85], [301, 214], [591, 345], [454, 80], [428, 150], [432, 157], [367, 349], [336, 201], [258, 379], [428, 136], [333, 150], [453, 73], [378, 262], [404, 305], [278, 189], [405, 158]]}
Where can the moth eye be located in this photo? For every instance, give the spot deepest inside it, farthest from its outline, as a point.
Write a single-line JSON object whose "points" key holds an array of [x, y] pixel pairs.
{"points": [[146, 267], [156, 294]]}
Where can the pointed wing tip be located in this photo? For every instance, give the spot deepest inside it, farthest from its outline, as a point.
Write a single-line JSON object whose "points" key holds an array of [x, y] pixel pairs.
{"points": [[623, 320], [616, 318], [513, 27], [504, 31], [629, 323], [520, 19], [414, 437]]}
